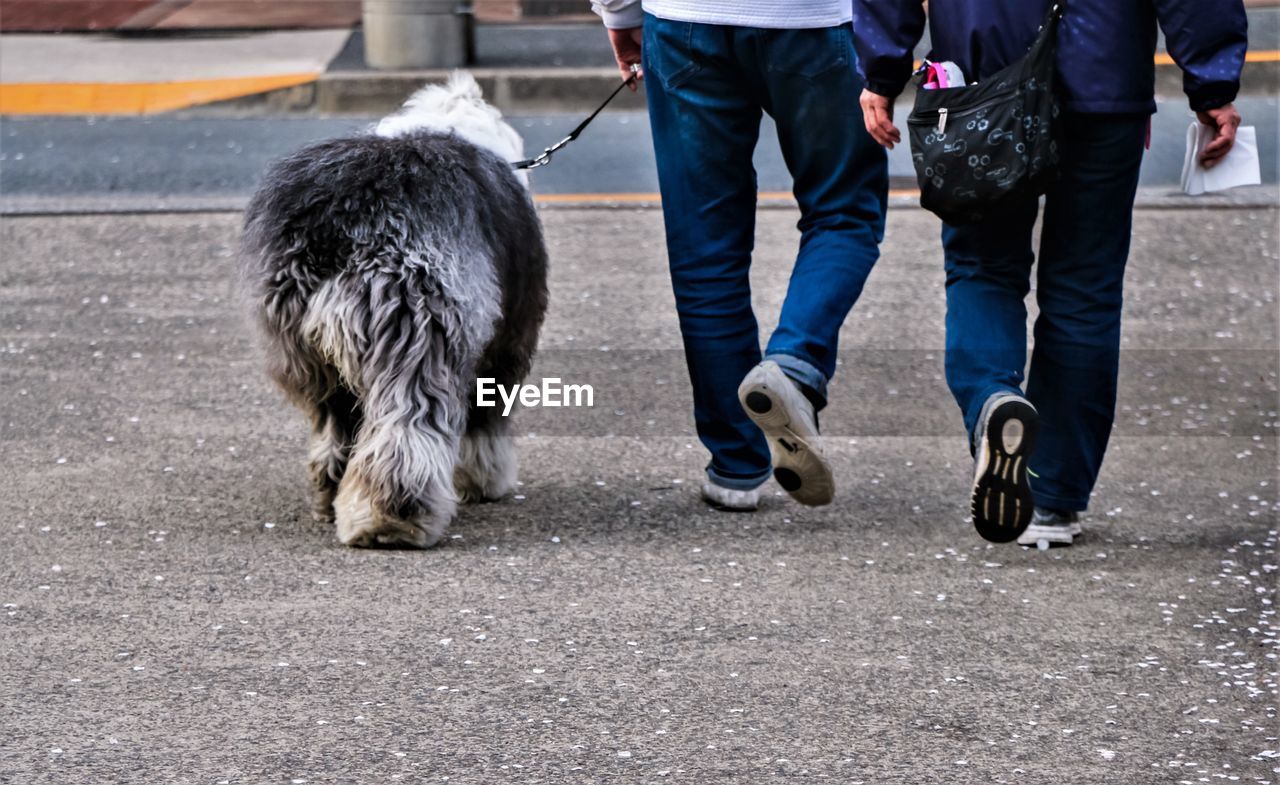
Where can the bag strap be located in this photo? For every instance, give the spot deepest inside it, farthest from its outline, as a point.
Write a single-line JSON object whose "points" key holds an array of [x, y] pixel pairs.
{"points": [[1046, 39], [1044, 36]]}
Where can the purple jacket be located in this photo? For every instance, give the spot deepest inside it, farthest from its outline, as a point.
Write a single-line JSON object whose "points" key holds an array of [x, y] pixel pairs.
{"points": [[1105, 52]]}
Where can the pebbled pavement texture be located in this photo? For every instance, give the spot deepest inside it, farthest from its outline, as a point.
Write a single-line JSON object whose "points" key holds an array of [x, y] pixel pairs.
{"points": [[171, 614]]}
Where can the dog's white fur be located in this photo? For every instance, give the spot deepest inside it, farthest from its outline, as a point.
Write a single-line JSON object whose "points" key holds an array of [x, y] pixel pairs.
{"points": [[456, 106]]}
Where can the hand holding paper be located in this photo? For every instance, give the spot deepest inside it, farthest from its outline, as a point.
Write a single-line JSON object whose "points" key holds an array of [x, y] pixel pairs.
{"points": [[1238, 166], [1224, 121]]}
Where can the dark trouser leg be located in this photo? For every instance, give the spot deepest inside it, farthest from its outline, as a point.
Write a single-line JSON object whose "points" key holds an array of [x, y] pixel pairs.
{"points": [[1083, 250], [988, 268], [705, 123]]}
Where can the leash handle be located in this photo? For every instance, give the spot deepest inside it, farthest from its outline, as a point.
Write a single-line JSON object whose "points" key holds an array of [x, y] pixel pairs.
{"points": [[543, 158]]}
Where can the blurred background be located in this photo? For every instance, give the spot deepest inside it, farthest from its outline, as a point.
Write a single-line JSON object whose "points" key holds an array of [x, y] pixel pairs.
{"points": [[164, 102]]}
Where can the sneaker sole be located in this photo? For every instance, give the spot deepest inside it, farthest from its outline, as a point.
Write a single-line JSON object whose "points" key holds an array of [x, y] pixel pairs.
{"points": [[721, 506], [1001, 500], [797, 466]]}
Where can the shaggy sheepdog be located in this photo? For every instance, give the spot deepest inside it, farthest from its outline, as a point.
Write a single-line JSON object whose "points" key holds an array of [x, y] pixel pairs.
{"points": [[387, 271]]}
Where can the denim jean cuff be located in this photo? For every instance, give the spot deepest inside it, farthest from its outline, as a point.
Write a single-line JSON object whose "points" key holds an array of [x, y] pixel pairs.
{"points": [[981, 401], [805, 373], [1048, 501], [738, 483]]}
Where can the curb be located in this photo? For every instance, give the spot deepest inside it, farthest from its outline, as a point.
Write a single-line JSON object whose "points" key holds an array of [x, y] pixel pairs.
{"points": [[549, 90], [361, 93]]}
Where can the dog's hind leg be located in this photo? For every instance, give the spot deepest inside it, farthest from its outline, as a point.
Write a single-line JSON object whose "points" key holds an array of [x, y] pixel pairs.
{"points": [[398, 486], [313, 384], [335, 422], [487, 465]]}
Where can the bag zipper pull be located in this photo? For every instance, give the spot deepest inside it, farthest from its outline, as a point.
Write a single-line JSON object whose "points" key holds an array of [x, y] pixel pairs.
{"points": [[942, 121]]}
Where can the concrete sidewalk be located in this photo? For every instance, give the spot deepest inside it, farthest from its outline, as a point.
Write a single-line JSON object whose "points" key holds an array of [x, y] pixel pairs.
{"points": [[169, 613], [136, 16], [522, 67], [63, 74]]}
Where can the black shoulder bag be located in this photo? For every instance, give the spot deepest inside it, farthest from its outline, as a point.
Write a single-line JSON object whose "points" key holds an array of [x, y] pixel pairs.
{"points": [[980, 146]]}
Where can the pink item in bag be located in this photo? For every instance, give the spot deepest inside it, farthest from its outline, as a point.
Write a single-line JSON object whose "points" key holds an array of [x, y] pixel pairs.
{"points": [[939, 76]]}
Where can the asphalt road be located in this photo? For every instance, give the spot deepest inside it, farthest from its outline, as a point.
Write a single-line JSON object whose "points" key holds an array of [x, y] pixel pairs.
{"points": [[170, 614], [177, 161]]}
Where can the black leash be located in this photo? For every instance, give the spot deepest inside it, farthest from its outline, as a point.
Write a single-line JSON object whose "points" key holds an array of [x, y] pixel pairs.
{"points": [[543, 158]]}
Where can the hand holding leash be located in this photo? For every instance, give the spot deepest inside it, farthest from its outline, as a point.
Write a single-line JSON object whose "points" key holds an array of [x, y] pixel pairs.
{"points": [[626, 44]]}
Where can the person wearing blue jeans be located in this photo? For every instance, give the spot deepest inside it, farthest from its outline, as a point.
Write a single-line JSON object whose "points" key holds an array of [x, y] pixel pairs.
{"points": [[1055, 432], [1084, 244], [711, 72]]}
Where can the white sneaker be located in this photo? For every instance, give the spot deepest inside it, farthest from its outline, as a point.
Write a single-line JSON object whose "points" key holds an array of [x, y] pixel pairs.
{"points": [[775, 403], [730, 499], [1001, 499], [1050, 528]]}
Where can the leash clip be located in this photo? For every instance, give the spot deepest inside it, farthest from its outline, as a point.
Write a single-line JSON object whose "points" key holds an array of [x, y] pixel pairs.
{"points": [[543, 158]]}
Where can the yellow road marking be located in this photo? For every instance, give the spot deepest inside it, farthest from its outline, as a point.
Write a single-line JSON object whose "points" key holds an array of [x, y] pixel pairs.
{"points": [[134, 97], [1262, 56], [149, 97], [642, 198]]}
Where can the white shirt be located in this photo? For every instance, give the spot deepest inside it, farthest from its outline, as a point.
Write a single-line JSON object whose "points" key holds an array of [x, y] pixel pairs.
{"points": [[789, 14]]}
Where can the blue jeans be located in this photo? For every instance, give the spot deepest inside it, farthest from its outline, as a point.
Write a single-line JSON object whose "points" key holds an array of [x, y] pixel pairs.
{"points": [[707, 87], [1084, 244]]}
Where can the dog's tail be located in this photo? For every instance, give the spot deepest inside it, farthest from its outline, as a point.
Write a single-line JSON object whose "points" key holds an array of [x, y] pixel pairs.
{"points": [[379, 330]]}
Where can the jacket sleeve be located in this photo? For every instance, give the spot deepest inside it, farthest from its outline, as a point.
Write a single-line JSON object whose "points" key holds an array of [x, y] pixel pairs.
{"points": [[1207, 39], [885, 33], [619, 13]]}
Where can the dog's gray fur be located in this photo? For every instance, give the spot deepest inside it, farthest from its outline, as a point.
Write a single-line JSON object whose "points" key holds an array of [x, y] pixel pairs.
{"points": [[386, 275]]}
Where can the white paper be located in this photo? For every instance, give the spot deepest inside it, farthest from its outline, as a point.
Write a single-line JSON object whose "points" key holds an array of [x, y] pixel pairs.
{"points": [[1238, 167]]}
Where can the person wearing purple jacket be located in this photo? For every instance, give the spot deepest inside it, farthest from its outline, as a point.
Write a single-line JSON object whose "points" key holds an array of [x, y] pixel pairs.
{"points": [[1059, 426]]}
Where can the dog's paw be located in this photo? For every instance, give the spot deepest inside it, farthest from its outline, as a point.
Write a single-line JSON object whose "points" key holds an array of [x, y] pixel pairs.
{"points": [[472, 491], [410, 536], [321, 509], [361, 525], [467, 492]]}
